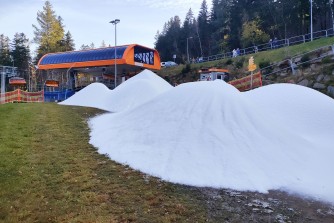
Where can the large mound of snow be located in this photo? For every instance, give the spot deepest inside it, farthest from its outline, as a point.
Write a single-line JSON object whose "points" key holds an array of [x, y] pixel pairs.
{"points": [[133, 92], [94, 95], [137, 90], [305, 110], [210, 134]]}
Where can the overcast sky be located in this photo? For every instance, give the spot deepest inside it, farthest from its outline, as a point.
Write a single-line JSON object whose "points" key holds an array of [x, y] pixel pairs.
{"points": [[88, 20]]}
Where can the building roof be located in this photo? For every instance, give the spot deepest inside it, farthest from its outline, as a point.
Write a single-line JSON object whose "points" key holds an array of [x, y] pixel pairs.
{"points": [[83, 56], [132, 55]]}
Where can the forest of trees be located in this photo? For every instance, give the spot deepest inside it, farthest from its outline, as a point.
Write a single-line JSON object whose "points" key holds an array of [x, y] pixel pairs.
{"points": [[233, 24], [228, 24]]}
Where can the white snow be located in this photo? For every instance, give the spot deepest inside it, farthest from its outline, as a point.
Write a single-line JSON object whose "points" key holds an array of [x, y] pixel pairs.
{"points": [[94, 95], [135, 91], [210, 134]]}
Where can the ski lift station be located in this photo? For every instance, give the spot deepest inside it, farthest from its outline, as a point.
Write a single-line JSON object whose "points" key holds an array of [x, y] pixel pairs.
{"points": [[61, 74], [212, 74]]}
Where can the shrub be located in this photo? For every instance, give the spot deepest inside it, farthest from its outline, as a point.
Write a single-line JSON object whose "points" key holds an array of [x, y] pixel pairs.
{"points": [[186, 69], [304, 60], [228, 61], [239, 63], [264, 64], [326, 60]]}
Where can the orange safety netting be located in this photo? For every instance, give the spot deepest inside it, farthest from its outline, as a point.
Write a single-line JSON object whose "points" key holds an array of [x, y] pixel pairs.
{"points": [[248, 82], [21, 96]]}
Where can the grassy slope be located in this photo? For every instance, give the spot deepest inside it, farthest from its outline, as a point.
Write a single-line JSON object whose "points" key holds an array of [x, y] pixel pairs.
{"points": [[270, 56], [50, 173]]}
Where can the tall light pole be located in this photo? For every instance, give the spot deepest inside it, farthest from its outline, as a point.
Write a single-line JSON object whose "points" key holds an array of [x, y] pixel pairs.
{"points": [[3, 85], [330, 6], [311, 22], [114, 22], [188, 48]]}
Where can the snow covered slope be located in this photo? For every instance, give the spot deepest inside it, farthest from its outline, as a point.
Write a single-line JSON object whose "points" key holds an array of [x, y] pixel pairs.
{"points": [[210, 134], [133, 92]]}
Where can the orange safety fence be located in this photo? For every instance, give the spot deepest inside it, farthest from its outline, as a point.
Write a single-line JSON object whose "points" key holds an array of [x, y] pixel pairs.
{"points": [[248, 82], [21, 96]]}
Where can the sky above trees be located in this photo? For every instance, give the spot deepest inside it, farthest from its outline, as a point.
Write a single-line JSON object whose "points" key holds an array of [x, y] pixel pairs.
{"points": [[88, 20]]}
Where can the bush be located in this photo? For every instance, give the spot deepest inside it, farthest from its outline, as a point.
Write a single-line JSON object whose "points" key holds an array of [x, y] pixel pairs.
{"points": [[304, 60], [228, 61], [186, 69], [239, 63], [327, 70], [264, 64], [326, 60]]}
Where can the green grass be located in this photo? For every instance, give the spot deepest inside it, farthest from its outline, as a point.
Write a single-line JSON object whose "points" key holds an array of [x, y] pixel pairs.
{"points": [[50, 173], [270, 56]]}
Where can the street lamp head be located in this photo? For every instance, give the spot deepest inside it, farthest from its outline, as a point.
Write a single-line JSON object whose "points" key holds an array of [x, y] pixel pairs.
{"points": [[115, 21]]}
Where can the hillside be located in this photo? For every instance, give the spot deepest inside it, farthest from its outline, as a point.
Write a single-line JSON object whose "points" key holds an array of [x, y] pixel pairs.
{"points": [[317, 74]]}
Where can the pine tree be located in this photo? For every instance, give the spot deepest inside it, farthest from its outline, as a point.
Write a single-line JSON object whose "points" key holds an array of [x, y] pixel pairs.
{"points": [[220, 18], [69, 42], [5, 59], [203, 27], [20, 52], [103, 44], [168, 42], [190, 29], [84, 47], [50, 34]]}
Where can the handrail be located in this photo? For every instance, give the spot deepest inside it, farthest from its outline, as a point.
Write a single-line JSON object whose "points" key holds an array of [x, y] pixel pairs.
{"points": [[278, 44], [293, 65]]}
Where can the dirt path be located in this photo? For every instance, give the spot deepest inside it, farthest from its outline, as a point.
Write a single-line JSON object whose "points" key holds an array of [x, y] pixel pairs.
{"points": [[276, 206]]}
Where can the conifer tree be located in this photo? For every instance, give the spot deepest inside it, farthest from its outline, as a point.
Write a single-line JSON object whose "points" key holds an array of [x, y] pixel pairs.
{"points": [[68, 42], [203, 27], [5, 59], [49, 33], [20, 52]]}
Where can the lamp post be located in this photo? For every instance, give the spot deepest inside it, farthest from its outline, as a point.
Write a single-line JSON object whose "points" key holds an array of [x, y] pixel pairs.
{"points": [[311, 22], [330, 6], [188, 48], [114, 22], [3, 85]]}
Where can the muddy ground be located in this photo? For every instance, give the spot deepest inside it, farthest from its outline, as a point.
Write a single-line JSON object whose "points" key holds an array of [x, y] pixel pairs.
{"points": [[233, 206]]}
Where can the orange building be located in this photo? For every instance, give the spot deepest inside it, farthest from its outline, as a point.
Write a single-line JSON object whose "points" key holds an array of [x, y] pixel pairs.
{"points": [[77, 69]]}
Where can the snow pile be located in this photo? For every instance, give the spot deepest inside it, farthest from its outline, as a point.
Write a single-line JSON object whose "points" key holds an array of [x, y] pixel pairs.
{"points": [[94, 95], [305, 110], [133, 92], [137, 90], [210, 134]]}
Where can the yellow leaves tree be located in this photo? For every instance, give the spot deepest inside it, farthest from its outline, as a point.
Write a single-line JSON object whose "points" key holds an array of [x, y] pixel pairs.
{"points": [[252, 34]]}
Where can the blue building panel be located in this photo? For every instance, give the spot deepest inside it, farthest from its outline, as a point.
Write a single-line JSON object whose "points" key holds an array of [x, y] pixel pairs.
{"points": [[85, 55]]}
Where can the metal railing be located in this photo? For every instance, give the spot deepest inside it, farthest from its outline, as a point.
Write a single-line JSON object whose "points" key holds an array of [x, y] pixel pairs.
{"points": [[295, 61], [276, 43]]}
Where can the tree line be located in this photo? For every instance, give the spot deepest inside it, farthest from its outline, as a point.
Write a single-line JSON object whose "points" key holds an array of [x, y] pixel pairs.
{"points": [[231, 24]]}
